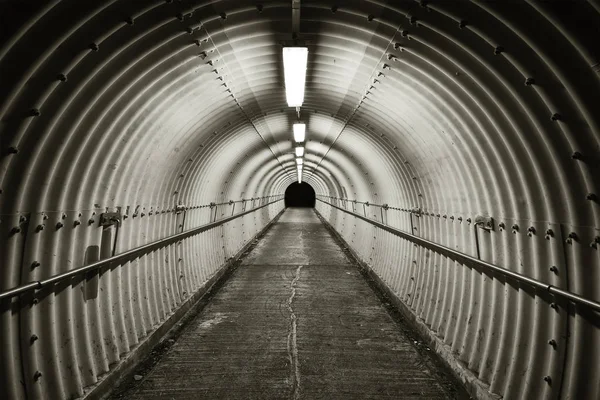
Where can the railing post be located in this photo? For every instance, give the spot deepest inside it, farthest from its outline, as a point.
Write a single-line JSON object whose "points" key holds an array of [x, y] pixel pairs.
{"points": [[181, 212], [213, 212]]}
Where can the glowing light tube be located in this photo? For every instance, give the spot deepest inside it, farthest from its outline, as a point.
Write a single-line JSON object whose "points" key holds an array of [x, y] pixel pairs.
{"points": [[299, 133], [294, 66], [299, 151]]}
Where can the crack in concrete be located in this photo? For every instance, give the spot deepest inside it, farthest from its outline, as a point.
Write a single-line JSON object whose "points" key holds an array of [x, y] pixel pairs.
{"points": [[292, 343]]}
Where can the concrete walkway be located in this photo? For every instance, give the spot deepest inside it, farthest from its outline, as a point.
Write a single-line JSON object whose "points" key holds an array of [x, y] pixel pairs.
{"points": [[296, 320]]}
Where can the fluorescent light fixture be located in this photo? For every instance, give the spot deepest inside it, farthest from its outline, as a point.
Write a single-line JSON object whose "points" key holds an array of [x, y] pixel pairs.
{"points": [[299, 173], [299, 151], [299, 161], [299, 132], [294, 65]]}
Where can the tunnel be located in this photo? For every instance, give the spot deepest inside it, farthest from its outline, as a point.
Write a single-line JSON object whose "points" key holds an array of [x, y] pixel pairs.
{"points": [[300, 195], [148, 168]]}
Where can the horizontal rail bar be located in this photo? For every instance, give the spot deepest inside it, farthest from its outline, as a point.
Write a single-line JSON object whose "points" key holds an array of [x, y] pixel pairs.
{"points": [[230, 202], [35, 285], [358, 202], [368, 204], [467, 259]]}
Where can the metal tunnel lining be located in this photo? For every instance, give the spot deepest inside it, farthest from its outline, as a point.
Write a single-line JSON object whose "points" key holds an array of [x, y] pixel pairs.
{"points": [[455, 109]]}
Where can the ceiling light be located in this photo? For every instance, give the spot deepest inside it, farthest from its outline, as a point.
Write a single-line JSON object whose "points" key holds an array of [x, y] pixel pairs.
{"points": [[294, 65], [299, 161], [299, 151], [299, 132]]}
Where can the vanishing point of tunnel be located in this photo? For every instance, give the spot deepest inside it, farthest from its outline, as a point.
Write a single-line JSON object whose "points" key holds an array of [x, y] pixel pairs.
{"points": [[300, 199], [300, 195]]}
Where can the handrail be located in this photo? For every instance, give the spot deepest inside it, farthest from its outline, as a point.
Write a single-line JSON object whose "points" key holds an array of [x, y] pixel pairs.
{"points": [[369, 204], [228, 202], [467, 259], [36, 285], [357, 201]]}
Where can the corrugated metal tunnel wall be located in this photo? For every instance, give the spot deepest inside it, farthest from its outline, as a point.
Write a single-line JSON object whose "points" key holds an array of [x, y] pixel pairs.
{"points": [[443, 110]]}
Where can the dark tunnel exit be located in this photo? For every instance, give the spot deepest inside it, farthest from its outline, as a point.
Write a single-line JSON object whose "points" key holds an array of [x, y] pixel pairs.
{"points": [[300, 195]]}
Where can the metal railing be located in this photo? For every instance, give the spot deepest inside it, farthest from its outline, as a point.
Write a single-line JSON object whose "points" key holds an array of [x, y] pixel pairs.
{"points": [[472, 261], [120, 258]]}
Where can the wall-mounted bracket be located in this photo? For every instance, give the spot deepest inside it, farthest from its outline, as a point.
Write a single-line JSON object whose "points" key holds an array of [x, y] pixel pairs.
{"points": [[417, 211], [110, 218], [295, 18], [483, 222]]}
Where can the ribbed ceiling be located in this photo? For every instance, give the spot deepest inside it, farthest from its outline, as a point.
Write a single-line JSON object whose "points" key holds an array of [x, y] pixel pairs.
{"points": [[139, 100]]}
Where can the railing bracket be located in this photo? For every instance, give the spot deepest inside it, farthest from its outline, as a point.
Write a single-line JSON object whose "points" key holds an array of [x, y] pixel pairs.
{"points": [[486, 223], [111, 218]]}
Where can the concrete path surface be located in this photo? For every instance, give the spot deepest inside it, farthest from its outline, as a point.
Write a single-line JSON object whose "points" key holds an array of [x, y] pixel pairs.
{"points": [[297, 320]]}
